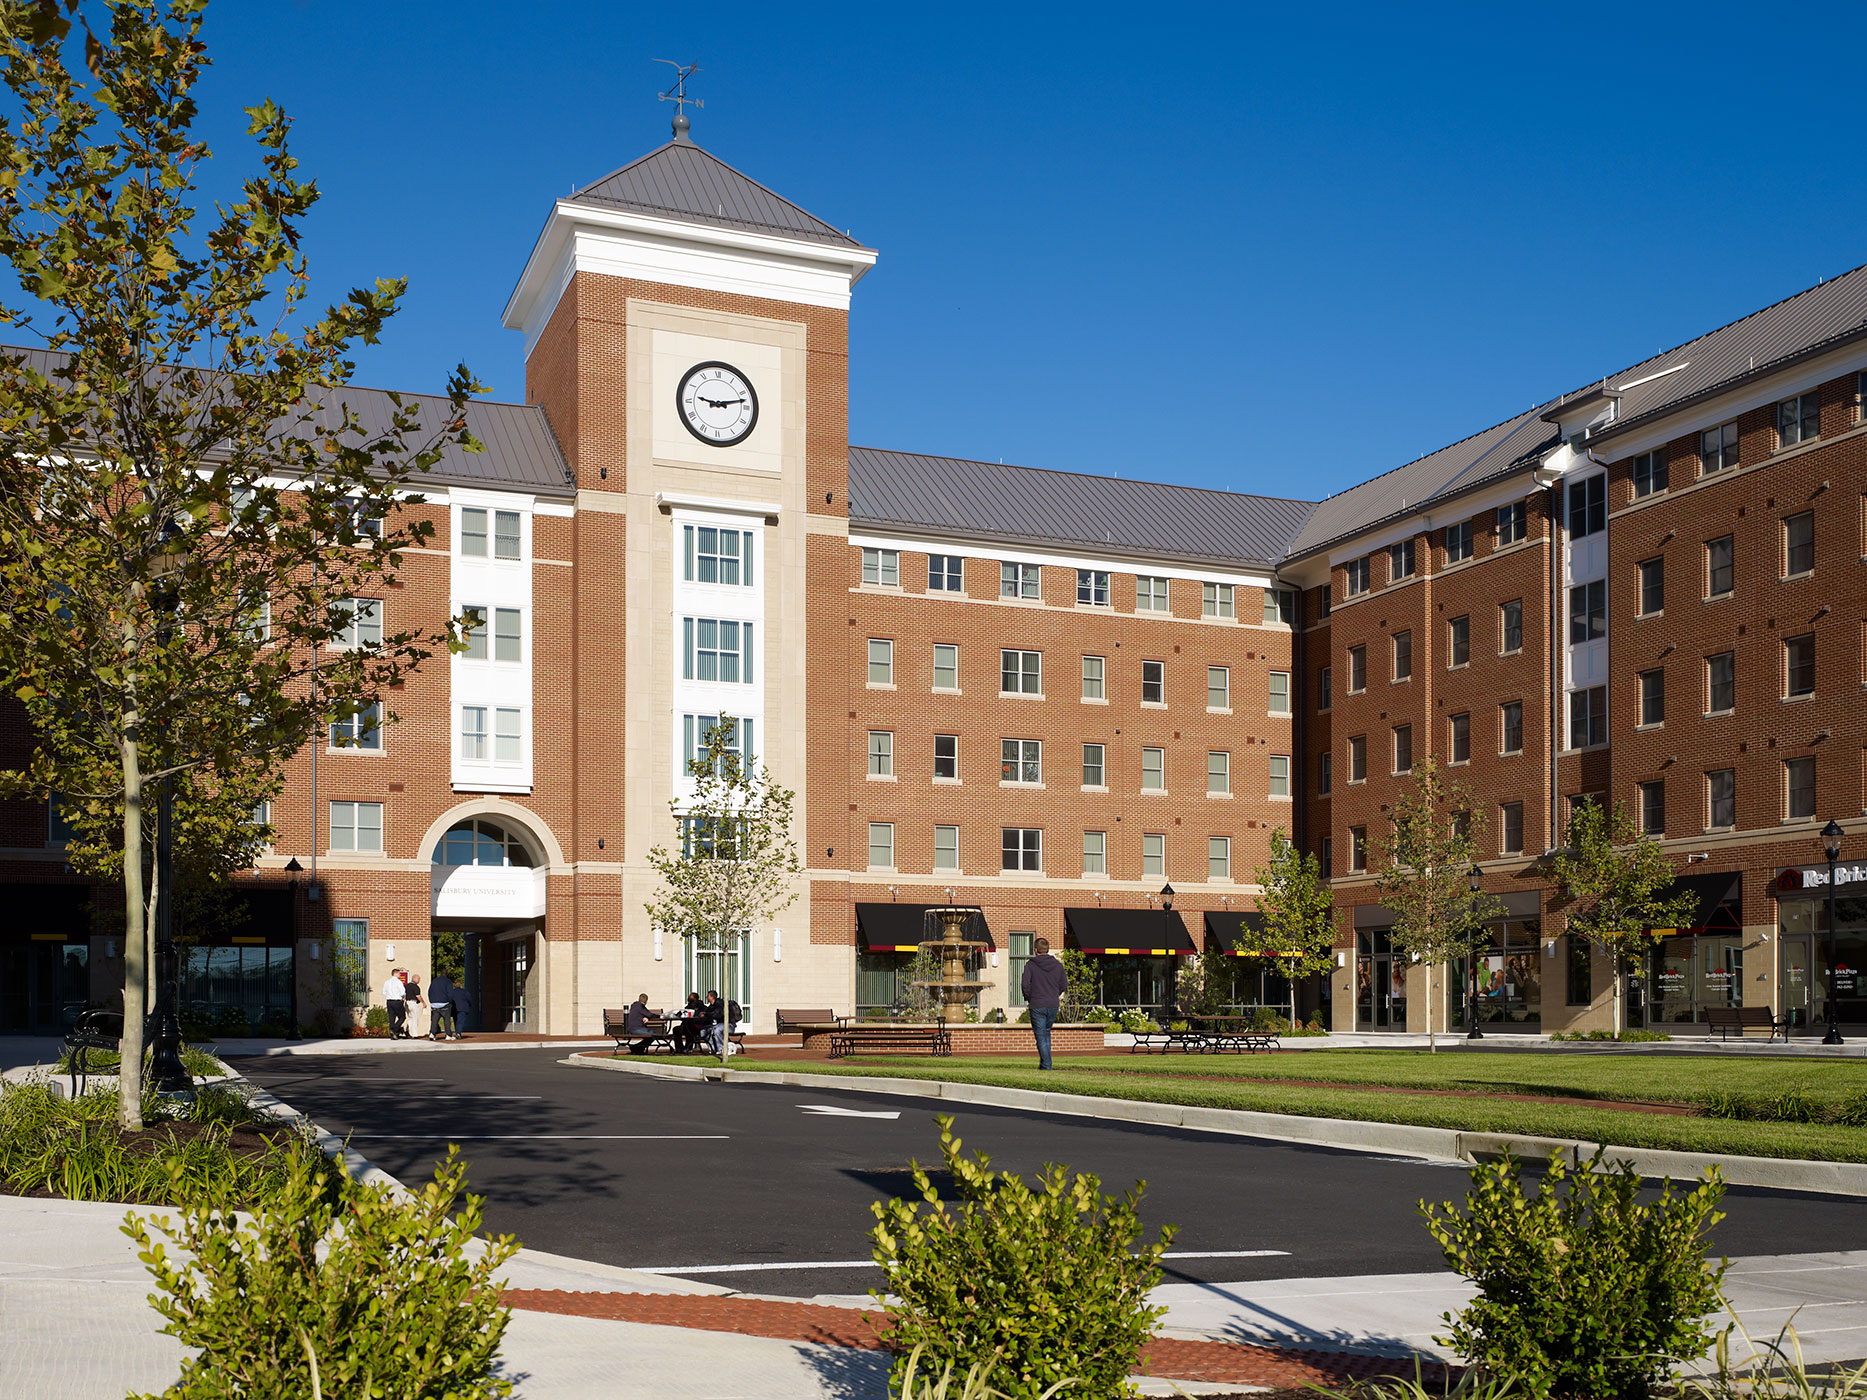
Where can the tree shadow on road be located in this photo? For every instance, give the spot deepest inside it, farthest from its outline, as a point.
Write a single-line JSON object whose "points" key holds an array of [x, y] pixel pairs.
{"points": [[849, 1373]]}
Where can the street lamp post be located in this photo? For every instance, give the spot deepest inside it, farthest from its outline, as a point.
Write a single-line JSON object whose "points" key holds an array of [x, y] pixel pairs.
{"points": [[166, 1067], [1475, 878], [1831, 846], [1171, 1009]]}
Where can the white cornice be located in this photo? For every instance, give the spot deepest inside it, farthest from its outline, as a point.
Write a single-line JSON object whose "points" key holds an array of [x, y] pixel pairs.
{"points": [[680, 500]]}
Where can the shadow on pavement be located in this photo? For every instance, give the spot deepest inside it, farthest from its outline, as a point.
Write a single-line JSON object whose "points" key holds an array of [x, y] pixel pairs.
{"points": [[849, 1373]]}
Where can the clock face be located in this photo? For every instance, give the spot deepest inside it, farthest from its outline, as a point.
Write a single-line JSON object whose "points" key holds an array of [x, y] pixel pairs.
{"points": [[717, 403]]}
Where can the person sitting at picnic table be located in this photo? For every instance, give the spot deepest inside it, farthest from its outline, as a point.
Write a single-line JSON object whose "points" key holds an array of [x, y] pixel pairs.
{"points": [[688, 1026], [718, 1025], [635, 1025]]}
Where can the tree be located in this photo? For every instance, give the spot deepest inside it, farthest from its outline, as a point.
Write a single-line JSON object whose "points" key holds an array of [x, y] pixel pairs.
{"points": [[1615, 876], [1425, 878], [733, 864], [188, 504], [1298, 908]]}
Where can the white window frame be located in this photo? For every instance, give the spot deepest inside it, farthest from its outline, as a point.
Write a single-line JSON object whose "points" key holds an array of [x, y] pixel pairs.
{"points": [[1217, 600], [886, 845], [1030, 666], [1092, 588], [1279, 693], [355, 828], [1219, 684], [1026, 758], [1021, 581], [1153, 853], [1218, 858], [1095, 687], [1158, 770], [1218, 772], [881, 753], [1095, 853], [951, 651], [885, 663], [1152, 593], [949, 835], [881, 568]]}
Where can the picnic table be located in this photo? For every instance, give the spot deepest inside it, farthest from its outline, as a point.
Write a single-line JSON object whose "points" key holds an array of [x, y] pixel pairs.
{"points": [[1207, 1034]]}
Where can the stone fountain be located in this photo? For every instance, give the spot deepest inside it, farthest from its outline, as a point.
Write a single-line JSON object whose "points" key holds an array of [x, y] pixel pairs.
{"points": [[953, 988]]}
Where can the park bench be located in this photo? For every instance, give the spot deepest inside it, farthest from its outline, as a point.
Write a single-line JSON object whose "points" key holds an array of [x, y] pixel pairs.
{"points": [[796, 1022], [657, 1037], [851, 1036], [1236, 1034], [1162, 1042], [1743, 1020], [95, 1029]]}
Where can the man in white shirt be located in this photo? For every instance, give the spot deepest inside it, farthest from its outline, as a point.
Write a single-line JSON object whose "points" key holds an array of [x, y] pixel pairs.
{"points": [[393, 995]]}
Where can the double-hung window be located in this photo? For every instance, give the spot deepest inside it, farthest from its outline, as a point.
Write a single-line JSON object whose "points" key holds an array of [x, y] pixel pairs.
{"points": [[362, 730], [1798, 420], [946, 848], [1721, 683], [1510, 727], [1022, 848], [1358, 758], [1153, 682], [1459, 542], [1510, 627], [946, 757], [1510, 829], [1653, 808], [946, 666], [1721, 798], [1653, 696], [1020, 672], [1649, 474], [1799, 544], [1280, 692], [1280, 606], [1720, 567], [1459, 642], [881, 753], [1150, 593], [1021, 761], [361, 627], [1357, 669], [945, 574], [356, 826], [1403, 656], [1358, 848], [1215, 600], [1459, 739], [1153, 770], [1355, 577], [1400, 560], [1094, 668], [1652, 587], [1019, 581], [1325, 773], [1588, 506], [1095, 771], [881, 661], [1717, 448], [719, 649], [1095, 852], [1588, 717], [712, 555], [1218, 687], [1218, 857], [1512, 523], [1219, 773], [738, 741], [1280, 775], [1403, 748], [1588, 612], [1799, 666], [881, 845], [474, 534], [1798, 789], [1092, 588], [506, 634], [881, 568], [1154, 853]]}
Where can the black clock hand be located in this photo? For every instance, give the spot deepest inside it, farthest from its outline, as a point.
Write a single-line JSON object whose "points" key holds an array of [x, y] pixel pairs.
{"points": [[720, 403]]}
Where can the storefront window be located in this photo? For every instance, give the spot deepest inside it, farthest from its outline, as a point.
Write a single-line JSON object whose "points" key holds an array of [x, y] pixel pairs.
{"points": [[1803, 944], [1509, 986], [220, 985], [1131, 983]]}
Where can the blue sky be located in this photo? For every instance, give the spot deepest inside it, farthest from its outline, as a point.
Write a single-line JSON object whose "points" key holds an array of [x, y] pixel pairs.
{"points": [[1279, 249]]}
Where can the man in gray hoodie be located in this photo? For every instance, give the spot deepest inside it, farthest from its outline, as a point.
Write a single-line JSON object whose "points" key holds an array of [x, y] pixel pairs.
{"points": [[1044, 983]]}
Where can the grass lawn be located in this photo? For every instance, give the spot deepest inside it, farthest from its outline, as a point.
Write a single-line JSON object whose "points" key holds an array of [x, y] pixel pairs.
{"points": [[1328, 1091]]}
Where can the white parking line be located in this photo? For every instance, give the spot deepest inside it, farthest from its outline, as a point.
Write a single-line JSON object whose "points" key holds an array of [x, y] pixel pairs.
{"points": [[540, 1137], [1227, 1254]]}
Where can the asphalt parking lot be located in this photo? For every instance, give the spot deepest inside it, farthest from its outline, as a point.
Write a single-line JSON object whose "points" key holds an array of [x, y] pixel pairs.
{"points": [[743, 1184]]}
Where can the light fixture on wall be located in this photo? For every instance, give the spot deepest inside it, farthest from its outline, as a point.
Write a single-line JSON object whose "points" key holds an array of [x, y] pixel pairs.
{"points": [[388, 952], [657, 945], [777, 945]]}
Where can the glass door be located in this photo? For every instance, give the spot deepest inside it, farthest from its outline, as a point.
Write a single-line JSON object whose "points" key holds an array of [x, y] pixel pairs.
{"points": [[1801, 990]]}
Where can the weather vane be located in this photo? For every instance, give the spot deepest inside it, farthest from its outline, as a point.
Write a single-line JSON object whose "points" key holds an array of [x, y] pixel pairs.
{"points": [[678, 94]]}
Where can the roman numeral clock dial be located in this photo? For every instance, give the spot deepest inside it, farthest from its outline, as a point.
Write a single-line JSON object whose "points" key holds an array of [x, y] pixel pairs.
{"points": [[717, 404]]}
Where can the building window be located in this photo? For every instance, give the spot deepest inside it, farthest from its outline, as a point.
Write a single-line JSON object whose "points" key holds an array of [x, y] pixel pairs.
{"points": [[1219, 773], [1717, 448], [1150, 594], [1092, 588], [1510, 627], [1153, 682], [356, 826], [1460, 825], [1022, 848], [362, 624], [473, 733], [1799, 666], [1799, 789], [1588, 506], [1799, 544], [1153, 770], [1721, 683], [1322, 601], [1721, 793], [1019, 581], [1154, 853], [1459, 642], [1649, 473], [1403, 748], [1588, 717], [1588, 612], [1095, 771], [1218, 687], [712, 555], [1021, 672], [1358, 758], [1280, 774], [1403, 656], [946, 848], [1280, 692], [1459, 738], [1512, 523], [720, 649], [881, 661], [506, 634], [881, 753], [1510, 829], [1323, 679], [1358, 848], [1458, 542], [1580, 990], [350, 961], [1652, 587], [1093, 668], [946, 666], [473, 533], [945, 574], [362, 730], [1510, 730], [1357, 669], [1720, 558], [1218, 857], [1095, 852], [1798, 420], [694, 739], [1355, 577], [1325, 773], [1280, 606], [881, 567], [946, 757], [1653, 696], [1326, 857], [1020, 761], [1653, 808], [1215, 600], [881, 845], [1399, 560]]}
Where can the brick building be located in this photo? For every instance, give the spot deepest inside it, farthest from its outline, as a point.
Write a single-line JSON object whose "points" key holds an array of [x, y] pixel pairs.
{"points": [[1045, 694]]}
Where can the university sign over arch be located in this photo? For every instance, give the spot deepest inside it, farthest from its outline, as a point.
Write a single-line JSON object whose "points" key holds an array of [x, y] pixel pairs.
{"points": [[473, 888]]}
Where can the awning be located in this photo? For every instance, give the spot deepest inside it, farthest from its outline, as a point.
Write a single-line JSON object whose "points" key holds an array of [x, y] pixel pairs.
{"points": [[1229, 933], [1720, 902], [1134, 931], [902, 928]]}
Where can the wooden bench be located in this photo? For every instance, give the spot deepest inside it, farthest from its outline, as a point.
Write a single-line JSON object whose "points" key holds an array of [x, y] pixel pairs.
{"points": [[851, 1036], [657, 1037], [1744, 1019], [796, 1022]]}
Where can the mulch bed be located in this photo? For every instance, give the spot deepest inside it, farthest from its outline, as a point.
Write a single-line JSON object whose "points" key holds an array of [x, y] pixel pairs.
{"points": [[825, 1325]]}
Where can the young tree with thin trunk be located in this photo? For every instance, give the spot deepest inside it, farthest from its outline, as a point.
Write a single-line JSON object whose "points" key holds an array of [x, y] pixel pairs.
{"points": [[192, 517], [1615, 879], [733, 863], [1425, 879], [1298, 908]]}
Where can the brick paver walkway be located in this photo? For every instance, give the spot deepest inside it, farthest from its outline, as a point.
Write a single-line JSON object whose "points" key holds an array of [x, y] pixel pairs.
{"points": [[1231, 1362]]}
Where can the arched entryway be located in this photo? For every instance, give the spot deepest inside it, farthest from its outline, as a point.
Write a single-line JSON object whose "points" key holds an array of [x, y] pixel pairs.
{"points": [[489, 862]]}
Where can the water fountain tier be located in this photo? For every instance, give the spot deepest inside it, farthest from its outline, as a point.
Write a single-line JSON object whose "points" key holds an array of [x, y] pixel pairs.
{"points": [[953, 988]]}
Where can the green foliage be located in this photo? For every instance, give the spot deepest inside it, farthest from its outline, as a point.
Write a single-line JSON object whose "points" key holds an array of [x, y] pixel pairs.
{"points": [[376, 1021], [1783, 1106], [1298, 932], [198, 1063], [1773, 1370], [1137, 1022], [918, 1385], [448, 954], [399, 1307], [1583, 1291], [1472, 1384], [1633, 1037], [1033, 1285], [1083, 990], [1852, 1111]]}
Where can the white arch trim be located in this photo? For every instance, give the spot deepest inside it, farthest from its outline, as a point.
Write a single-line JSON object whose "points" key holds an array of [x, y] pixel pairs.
{"points": [[522, 817]]}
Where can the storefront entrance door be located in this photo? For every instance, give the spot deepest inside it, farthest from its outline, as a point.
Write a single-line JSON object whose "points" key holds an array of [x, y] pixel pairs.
{"points": [[43, 985], [1802, 1002], [1380, 984]]}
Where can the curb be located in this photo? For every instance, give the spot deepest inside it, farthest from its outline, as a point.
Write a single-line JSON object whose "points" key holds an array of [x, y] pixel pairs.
{"points": [[1345, 1134]]}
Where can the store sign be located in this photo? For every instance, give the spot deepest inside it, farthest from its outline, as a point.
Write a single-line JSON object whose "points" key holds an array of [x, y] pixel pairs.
{"points": [[1801, 878]]}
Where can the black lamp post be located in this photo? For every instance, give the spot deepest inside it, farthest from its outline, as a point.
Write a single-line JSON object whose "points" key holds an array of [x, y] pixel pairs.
{"points": [[1475, 879], [166, 1067], [1166, 913], [1831, 845]]}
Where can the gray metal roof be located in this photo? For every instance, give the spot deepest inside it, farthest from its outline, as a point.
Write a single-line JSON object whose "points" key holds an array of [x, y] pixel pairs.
{"points": [[988, 500], [681, 181]]}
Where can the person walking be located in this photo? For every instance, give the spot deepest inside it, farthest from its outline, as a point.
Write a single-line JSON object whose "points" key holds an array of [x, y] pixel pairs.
{"points": [[1045, 981], [395, 999], [414, 1004], [440, 1006]]}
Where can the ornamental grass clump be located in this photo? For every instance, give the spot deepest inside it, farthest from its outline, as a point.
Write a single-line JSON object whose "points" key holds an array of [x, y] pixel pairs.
{"points": [[1584, 1292], [368, 1295], [1018, 1286]]}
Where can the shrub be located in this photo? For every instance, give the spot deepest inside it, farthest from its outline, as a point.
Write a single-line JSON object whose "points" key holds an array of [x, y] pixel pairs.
{"points": [[1775, 1370], [1582, 1290], [376, 1021], [1036, 1284], [232, 1021], [396, 1308], [1852, 1110], [1136, 1022]]}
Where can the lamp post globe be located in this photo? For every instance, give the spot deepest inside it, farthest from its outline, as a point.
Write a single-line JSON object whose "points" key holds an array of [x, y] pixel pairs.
{"points": [[1475, 880], [1831, 847]]}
